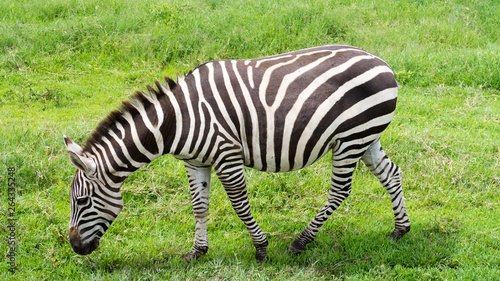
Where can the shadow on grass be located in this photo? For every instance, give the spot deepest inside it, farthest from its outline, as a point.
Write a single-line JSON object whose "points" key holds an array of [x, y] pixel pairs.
{"points": [[426, 245], [333, 253]]}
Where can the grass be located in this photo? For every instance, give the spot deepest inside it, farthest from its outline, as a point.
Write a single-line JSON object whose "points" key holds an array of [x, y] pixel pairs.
{"points": [[65, 64]]}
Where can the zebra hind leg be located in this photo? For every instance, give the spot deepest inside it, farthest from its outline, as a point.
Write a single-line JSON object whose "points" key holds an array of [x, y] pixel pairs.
{"points": [[390, 176], [340, 188], [199, 182]]}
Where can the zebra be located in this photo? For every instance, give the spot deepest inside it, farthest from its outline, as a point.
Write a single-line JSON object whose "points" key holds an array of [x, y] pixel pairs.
{"points": [[276, 114]]}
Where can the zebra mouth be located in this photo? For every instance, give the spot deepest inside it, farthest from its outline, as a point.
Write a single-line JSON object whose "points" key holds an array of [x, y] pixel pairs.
{"points": [[85, 248], [82, 248]]}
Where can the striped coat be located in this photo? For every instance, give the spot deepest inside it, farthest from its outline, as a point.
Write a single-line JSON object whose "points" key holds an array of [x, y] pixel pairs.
{"points": [[276, 114]]}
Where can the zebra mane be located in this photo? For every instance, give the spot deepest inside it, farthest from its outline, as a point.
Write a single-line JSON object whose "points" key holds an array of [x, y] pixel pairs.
{"points": [[115, 116]]}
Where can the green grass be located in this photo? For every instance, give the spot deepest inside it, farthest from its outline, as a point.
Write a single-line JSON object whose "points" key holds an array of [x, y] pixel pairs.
{"points": [[65, 64]]}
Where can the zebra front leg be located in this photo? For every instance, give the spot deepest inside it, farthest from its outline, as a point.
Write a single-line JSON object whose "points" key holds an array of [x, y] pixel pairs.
{"points": [[390, 176], [340, 188], [199, 182], [232, 177]]}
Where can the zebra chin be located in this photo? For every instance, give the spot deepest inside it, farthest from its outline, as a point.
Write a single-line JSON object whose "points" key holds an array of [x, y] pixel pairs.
{"points": [[82, 248]]}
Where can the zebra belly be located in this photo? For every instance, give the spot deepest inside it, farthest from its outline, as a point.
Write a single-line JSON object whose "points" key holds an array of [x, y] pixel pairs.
{"points": [[270, 164]]}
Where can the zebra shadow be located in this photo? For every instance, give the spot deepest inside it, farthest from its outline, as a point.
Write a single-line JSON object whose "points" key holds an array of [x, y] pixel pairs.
{"points": [[427, 244]]}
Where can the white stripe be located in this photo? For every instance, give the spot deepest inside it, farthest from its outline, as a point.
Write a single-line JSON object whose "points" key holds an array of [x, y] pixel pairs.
{"points": [[161, 118], [185, 91], [250, 75], [178, 117], [135, 137], [268, 59], [200, 111]]}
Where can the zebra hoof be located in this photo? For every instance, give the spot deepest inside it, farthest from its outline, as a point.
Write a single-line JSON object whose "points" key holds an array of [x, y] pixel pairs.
{"points": [[293, 251], [262, 260], [195, 254], [191, 256], [261, 255], [399, 232], [296, 248]]}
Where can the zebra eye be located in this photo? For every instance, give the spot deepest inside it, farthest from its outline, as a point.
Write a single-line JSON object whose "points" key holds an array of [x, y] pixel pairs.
{"points": [[82, 200]]}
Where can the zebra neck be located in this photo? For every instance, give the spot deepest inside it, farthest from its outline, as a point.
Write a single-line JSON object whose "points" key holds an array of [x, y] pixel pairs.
{"points": [[141, 131], [118, 157]]}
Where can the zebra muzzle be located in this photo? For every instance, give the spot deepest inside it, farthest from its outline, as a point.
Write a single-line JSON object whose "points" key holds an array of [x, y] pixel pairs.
{"points": [[82, 247]]}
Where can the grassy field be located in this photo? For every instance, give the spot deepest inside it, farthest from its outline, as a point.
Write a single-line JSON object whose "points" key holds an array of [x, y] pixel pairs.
{"points": [[65, 64]]}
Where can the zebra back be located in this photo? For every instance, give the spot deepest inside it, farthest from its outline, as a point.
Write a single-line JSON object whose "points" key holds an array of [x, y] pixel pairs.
{"points": [[283, 112]]}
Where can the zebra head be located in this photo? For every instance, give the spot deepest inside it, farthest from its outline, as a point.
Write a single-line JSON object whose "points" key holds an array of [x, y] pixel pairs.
{"points": [[94, 203]]}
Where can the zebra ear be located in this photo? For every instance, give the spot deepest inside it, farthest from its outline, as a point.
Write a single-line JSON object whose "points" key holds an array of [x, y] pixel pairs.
{"points": [[75, 153]]}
